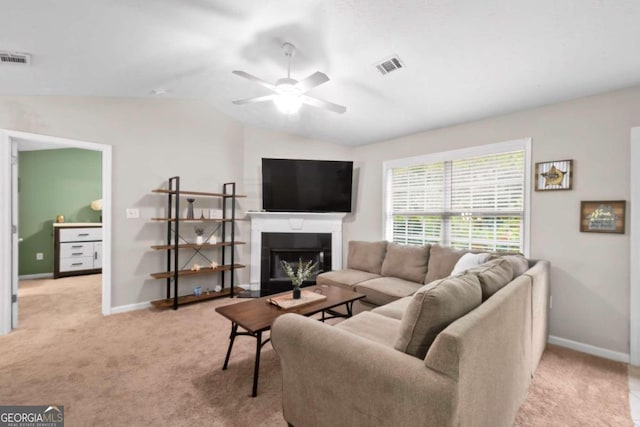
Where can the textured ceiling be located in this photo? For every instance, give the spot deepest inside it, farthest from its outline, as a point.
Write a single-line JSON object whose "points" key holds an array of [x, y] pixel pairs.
{"points": [[465, 60]]}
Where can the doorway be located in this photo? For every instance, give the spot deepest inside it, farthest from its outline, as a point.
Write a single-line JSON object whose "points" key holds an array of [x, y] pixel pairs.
{"points": [[9, 141], [634, 286]]}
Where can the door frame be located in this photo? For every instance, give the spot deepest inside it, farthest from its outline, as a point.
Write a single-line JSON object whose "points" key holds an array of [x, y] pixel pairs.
{"points": [[634, 250], [6, 136]]}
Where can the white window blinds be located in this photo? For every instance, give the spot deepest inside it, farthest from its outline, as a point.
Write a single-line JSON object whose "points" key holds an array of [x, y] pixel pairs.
{"points": [[471, 203]]}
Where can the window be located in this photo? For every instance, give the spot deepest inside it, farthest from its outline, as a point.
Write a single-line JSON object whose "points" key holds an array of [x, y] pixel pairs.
{"points": [[466, 199]]}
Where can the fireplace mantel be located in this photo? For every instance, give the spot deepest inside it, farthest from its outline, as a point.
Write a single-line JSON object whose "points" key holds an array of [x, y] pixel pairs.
{"points": [[294, 222]]}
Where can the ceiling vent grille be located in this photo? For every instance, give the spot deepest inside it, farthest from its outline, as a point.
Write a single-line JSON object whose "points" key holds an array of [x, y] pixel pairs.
{"points": [[389, 65], [15, 58]]}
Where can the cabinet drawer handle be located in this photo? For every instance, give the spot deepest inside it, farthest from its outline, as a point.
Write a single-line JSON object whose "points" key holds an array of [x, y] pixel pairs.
{"points": [[76, 253], [83, 234], [76, 246], [77, 263], [95, 255]]}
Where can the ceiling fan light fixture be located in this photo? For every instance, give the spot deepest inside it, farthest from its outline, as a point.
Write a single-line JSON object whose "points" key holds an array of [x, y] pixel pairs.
{"points": [[288, 103]]}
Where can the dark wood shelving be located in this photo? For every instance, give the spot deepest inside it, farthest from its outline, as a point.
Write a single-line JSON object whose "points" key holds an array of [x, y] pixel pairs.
{"points": [[195, 193], [188, 299], [195, 246], [173, 245], [203, 270]]}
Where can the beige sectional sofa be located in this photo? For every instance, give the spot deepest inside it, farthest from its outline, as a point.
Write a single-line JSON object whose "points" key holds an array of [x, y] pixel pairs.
{"points": [[426, 348]]}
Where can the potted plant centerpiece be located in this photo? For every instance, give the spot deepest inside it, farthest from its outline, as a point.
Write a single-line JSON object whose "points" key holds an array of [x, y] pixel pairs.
{"points": [[303, 272]]}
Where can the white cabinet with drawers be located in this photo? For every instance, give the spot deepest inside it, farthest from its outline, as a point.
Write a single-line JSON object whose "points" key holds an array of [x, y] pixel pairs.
{"points": [[78, 249]]}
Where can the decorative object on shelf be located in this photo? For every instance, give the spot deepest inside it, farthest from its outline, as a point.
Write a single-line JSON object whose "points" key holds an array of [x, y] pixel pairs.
{"points": [[555, 175], [60, 219], [218, 288], [195, 267], [215, 213], [303, 272], [214, 265], [190, 208], [199, 235], [202, 214], [197, 291], [213, 239], [602, 216]]}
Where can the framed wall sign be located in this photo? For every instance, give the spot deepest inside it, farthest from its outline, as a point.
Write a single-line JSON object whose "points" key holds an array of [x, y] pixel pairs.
{"points": [[555, 175], [602, 216]]}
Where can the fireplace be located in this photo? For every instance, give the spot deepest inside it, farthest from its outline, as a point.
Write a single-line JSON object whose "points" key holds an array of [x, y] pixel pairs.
{"points": [[288, 236], [291, 247]]}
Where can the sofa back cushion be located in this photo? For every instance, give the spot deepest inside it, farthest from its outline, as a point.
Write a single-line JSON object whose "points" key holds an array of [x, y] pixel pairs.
{"points": [[366, 256], [442, 259], [493, 276], [519, 264], [432, 308], [406, 262]]}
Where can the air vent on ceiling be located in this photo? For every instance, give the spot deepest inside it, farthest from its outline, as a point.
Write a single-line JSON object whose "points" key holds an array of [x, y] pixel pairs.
{"points": [[15, 58], [390, 64]]}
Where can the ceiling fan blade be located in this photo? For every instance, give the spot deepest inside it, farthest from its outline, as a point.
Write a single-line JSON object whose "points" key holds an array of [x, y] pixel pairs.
{"points": [[256, 99], [255, 79], [323, 104], [315, 79]]}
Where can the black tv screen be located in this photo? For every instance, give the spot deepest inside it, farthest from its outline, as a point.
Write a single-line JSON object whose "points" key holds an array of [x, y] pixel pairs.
{"points": [[290, 185]]}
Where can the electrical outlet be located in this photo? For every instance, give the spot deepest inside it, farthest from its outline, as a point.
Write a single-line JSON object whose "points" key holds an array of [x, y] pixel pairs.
{"points": [[133, 213], [39, 256]]}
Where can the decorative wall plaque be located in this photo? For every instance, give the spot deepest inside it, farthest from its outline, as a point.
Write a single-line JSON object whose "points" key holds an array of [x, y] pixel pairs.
{"points": [[555, 175], [602, 216]]}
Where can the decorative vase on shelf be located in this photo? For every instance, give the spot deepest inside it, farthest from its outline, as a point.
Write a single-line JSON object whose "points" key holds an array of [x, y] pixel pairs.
{"points": [[199, 240], [302, 273], [190, 214]]}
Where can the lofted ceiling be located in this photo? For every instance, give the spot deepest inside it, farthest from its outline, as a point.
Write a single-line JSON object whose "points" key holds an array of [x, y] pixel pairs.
{"points": [[465, 60]]}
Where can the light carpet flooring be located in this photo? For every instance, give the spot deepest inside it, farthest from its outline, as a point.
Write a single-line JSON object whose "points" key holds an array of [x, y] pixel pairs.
{"points": [[153, 367]]}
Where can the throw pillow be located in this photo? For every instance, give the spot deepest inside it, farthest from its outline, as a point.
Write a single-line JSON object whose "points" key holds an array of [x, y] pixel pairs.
{"points": [[468, 261], [366, 256], [434, 307], [406, 262], [441, 262], [493, 276]]}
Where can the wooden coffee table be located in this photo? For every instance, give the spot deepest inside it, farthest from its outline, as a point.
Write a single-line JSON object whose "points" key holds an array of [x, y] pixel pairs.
{"points": [[257, 315]]}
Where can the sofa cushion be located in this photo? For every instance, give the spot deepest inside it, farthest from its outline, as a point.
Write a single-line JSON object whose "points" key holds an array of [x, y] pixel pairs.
{"points": [[372, 326], [493, 276], [433, 308], [384, 290], [406, 262], [519, 264], [394, 309], [344, 278], [469, 260], [441, 262], [366, 256]]}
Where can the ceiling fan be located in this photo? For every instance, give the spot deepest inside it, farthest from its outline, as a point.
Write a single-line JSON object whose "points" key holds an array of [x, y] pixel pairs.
{"points": [[289, 94]]}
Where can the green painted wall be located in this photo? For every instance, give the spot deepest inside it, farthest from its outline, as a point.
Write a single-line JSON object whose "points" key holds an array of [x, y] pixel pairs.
{"points": [[53, 182]]}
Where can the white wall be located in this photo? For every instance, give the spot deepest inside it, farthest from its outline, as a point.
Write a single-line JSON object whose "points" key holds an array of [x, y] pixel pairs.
{"points": [[152, 140], [590, 272]]}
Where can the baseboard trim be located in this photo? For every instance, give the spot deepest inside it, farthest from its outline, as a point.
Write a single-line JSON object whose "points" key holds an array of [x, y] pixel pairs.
{"points": [[36, 276], [130, 307], [589, 349]]}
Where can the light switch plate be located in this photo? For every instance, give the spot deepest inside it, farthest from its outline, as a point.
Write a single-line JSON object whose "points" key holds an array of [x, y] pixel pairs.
{"points": [[133, 213], [39, 256]]}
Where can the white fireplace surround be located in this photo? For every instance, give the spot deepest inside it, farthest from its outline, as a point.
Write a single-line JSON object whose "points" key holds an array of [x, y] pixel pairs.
{"points": [[293, 222]]}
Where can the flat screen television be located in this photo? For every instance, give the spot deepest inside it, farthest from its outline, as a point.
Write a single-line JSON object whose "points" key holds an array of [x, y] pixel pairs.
{"points": [[291, 185]]}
